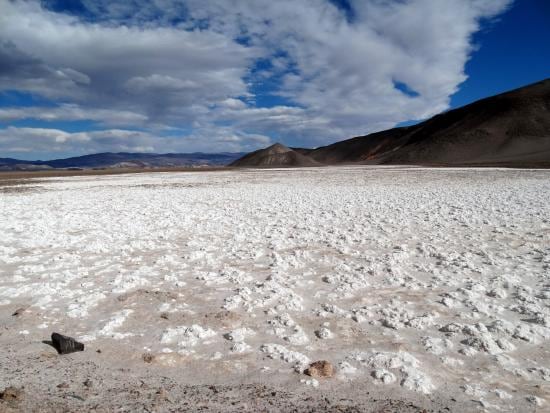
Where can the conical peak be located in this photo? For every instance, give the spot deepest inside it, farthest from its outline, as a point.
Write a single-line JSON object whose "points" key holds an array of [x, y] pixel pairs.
{"points": [[278, 148]]}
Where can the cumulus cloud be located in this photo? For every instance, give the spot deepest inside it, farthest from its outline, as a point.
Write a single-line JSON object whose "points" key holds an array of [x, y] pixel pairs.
{"points": [[344, 72], [193, 65], [141, 69]]}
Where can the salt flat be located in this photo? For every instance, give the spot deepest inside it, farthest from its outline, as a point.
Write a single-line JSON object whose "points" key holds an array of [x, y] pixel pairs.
{"points": [[430, 286]]}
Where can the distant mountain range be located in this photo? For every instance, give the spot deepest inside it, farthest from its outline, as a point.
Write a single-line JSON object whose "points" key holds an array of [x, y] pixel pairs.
{"points": [[124, 160], [510, 129]]}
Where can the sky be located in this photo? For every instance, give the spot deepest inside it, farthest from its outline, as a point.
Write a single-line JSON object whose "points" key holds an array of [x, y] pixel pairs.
{"points": [[88, 76]]}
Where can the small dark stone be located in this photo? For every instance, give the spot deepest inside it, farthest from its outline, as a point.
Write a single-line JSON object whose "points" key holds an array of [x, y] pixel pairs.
{"points": [[19, 311], [166, 316], [88, 383], [148, 357], [66, 345], [321, 368], [162, 393], [11, 394], [63, 386]]}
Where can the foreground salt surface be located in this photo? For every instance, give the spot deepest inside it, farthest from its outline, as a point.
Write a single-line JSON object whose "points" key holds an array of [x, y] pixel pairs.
{"points": [[422, 280]]}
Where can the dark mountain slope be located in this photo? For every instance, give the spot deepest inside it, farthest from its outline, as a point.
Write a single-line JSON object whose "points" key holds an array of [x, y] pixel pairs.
{"points": [[511, 128], [360, 149]]}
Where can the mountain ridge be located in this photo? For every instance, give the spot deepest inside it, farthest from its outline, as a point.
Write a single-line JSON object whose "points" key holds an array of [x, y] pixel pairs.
{"points": [[124, 159], [508, 129]]}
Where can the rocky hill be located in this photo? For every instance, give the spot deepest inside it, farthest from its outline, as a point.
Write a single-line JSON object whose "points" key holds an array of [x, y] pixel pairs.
{"points": [[276, 155]]}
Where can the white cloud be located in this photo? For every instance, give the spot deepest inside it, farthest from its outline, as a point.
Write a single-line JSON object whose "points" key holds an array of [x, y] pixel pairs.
{"points": [[54, 141], [131, 68], [130, 64], [14, 140], [73, 112], [343, 73]]}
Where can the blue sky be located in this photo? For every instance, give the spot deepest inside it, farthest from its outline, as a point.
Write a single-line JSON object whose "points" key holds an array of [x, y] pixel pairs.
{"points": [[230, 75], [514, 50]]}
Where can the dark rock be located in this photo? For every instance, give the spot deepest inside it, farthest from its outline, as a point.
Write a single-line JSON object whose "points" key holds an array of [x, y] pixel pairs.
{"points": [[122, 297], [148, 357], [162, 394], [19, 311], [63, 385], [320, 369], [11, 394], [66, 345]]}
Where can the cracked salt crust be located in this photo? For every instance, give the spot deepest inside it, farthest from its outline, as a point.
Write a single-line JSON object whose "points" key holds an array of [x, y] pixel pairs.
{"points": [[277, 351], [186, 336], [424, 274]]}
